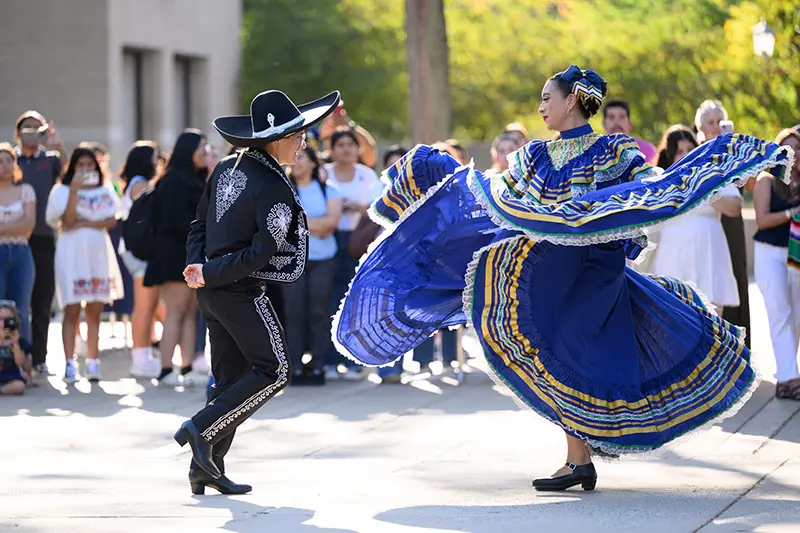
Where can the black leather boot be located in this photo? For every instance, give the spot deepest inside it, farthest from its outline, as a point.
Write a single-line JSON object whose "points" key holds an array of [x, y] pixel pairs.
{"points": [[201, 448], [199, 480], [583, 475]]}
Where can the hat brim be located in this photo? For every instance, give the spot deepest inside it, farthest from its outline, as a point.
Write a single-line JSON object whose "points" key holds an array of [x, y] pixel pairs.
{"points": [[238, 129]]}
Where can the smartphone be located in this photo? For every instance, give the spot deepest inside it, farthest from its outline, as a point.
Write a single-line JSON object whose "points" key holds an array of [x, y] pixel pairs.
{"points": [[725, 127], [91, 178], [10, 323]]}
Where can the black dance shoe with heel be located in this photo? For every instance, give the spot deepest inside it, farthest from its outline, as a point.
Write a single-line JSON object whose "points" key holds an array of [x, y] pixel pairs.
{"points": [[199, 480], [201, 448], [583, 475]]}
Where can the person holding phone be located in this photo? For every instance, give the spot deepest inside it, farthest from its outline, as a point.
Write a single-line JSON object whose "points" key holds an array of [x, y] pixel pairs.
{"points": [[82, 208], [14, 350], [40, 156]]}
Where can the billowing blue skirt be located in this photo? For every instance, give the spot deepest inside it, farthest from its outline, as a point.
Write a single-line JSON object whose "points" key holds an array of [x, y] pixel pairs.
{"points": [[625, 361]]}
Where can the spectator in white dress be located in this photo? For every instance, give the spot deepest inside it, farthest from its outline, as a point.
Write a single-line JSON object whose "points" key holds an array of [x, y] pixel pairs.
{"points": [[693, 248], [82, 208]]}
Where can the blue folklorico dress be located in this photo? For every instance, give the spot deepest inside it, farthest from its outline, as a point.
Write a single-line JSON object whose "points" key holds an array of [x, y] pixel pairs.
{"points": [[534, 260]]}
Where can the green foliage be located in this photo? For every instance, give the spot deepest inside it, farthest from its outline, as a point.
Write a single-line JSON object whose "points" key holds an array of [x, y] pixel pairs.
{"points": [[663, 56]]}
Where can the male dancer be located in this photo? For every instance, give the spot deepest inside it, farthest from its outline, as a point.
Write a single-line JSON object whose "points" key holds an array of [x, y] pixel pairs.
{"points": [[250, 229]]}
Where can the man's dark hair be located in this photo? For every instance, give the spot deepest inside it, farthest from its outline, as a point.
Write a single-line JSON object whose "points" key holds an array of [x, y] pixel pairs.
{"points": [[617, 102]]}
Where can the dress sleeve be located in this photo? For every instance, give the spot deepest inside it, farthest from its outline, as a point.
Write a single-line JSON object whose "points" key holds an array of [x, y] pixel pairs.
{"points": [[621, 162], [28, 194], [196, 241], [56, 205], [273, 217], [522, 168]]}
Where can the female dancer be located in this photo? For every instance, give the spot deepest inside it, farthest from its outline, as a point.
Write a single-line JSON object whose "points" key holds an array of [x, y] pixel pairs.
{"points": [[534, 260]]}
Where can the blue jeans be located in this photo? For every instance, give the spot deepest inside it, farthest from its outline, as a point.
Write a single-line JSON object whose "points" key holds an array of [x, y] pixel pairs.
{"points": [[423, 354], [16, 280]]}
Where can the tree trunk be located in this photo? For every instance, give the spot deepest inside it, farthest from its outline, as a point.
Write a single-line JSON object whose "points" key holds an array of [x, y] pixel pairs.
{"points": [[428, 71]]}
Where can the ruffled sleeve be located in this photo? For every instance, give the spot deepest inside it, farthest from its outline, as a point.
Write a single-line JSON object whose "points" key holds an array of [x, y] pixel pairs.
{"points": [[522, 168], [408, 182], [28, 194], [56, 205], [621, 162]]}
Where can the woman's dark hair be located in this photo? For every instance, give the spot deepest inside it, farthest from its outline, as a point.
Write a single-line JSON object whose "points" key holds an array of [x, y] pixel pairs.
{"points": [[394, 151], [139, 162], [182, 158], [312, 155], [668, 146], [342, 133], [77, 153], [587, 106]]}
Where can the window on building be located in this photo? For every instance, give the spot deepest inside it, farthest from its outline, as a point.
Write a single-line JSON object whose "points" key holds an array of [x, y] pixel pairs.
{"points": [[133, 94], [190, 86]]}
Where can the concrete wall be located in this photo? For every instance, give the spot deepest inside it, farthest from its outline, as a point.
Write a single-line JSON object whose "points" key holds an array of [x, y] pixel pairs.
{"points": [[206, 31], [66, 59], [53, 60]]}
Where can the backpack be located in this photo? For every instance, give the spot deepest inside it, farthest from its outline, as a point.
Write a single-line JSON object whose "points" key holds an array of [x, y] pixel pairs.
{"points": [[138, 230]]}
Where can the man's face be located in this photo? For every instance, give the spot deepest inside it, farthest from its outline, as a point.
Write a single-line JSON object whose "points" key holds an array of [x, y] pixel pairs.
{"points": [[616, 120], [29, 132]]}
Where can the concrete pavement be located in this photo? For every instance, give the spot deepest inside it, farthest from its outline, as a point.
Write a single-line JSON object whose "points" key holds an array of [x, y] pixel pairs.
{"points": [[362, 457]]}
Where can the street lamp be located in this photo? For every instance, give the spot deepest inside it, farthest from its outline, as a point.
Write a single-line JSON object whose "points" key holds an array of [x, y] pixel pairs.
{"points": [[763, 39]]}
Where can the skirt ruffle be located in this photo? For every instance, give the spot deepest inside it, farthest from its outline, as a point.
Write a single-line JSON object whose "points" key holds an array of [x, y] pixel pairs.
{"points": [[625, 361]]}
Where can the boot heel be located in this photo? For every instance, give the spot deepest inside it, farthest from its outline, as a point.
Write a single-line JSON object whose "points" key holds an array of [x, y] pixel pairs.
{"points": [[181, 437], [589, 485], [198, 488]]}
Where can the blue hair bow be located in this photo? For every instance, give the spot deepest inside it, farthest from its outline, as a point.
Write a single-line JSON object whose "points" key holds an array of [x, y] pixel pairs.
{"points": [[587, 85]]}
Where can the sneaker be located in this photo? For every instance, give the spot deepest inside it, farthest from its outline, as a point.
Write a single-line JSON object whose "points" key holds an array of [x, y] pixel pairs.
{"points": [[201, 364], [71, 374], [145, 368], [41, 369], [332, 373], [173, 379], [354, 374], [194, 378], [93, 370]]}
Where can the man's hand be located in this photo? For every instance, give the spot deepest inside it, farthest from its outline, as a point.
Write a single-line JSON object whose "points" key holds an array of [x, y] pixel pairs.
{"points": [[53, 136], [193, 274]]}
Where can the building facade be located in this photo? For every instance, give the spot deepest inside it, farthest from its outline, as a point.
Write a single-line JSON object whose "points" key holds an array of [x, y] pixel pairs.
{"points": [[116, 71]]}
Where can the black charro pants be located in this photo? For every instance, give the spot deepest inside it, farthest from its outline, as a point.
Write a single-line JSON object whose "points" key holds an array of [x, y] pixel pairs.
{"points": [[249, 360]]}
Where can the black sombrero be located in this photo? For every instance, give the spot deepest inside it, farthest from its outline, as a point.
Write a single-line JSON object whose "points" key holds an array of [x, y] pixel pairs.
{"points": [[273, 116]]}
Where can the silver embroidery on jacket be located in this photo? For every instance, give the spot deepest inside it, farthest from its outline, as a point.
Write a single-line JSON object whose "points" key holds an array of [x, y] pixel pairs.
{"points": [[230, 185], [278, 222]]}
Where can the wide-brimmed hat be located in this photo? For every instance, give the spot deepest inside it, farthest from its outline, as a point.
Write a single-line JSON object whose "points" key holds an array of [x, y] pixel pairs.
{"points": [[273, 116]]}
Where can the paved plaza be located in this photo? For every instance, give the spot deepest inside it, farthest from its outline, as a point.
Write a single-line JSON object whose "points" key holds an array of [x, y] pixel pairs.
{"points": [[430, 456]]}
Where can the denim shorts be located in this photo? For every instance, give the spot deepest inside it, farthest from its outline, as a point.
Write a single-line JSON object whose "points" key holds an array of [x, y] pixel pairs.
{"points": [[136, 267]]}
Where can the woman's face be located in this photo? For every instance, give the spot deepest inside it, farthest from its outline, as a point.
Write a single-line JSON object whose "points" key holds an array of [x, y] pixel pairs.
{"points": [[84, 164], [555, 107], [683, 148], [211, 157], [345, 151], [6, 166], [303, 167], [709, 123], [393, 159], [199, 156], [504, 149]]}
